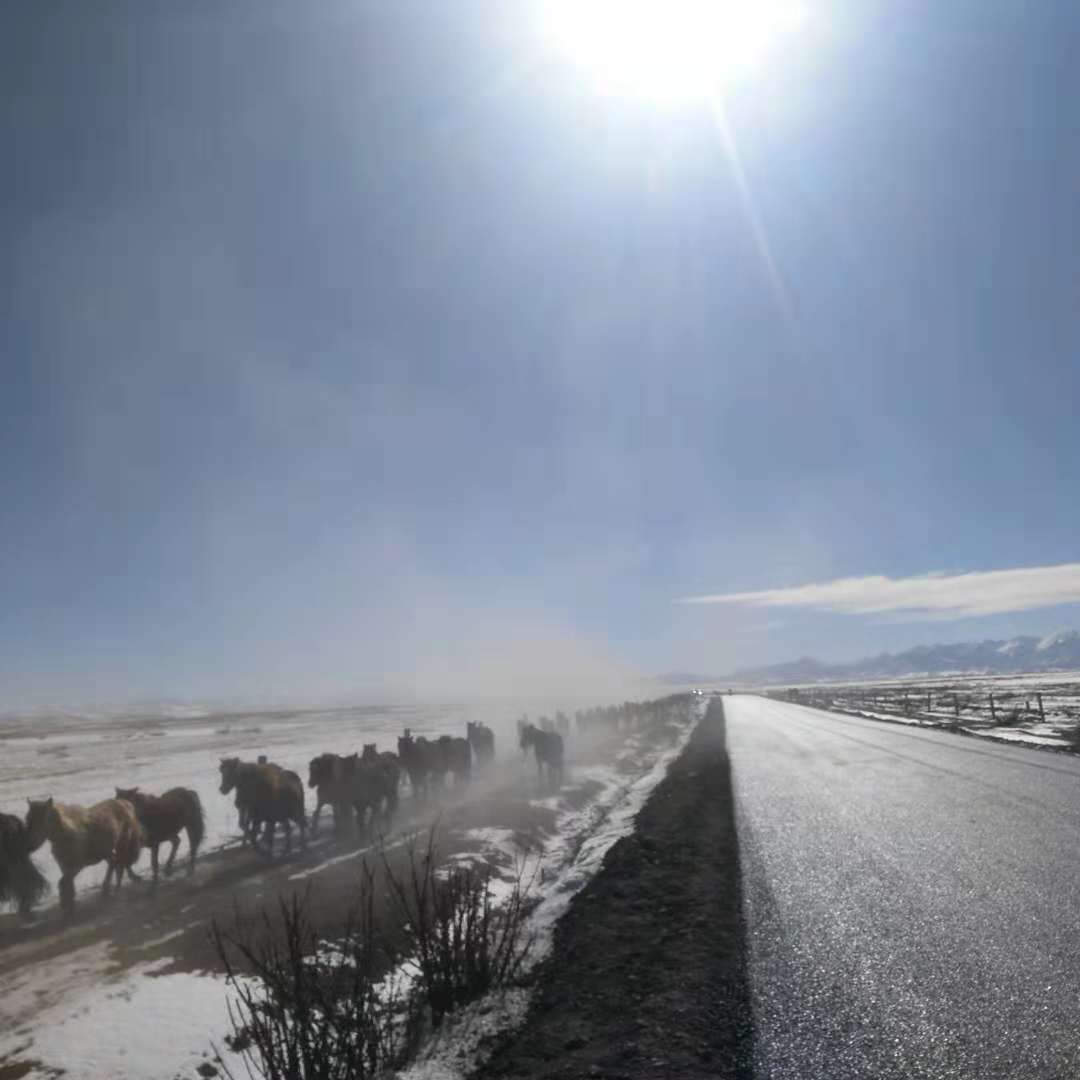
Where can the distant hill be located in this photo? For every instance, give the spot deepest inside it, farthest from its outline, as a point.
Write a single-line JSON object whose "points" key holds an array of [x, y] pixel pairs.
{"points": [[1056, 652]]}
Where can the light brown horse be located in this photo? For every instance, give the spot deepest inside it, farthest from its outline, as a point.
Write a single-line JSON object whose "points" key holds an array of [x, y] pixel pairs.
{"points": [[80, 836], [162, 817]]}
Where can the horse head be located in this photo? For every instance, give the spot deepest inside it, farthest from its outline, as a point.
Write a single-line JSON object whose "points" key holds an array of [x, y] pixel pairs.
{"points": [[318, 770], [130, 795], [371, 752], [38, 816], [230, 773]]}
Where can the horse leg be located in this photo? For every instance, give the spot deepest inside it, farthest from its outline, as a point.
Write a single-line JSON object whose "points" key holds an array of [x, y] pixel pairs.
{"points": [[106, 885], [66, 889], [154, 850], [175, 841], [193, 847], [301, 822], [287, 826], [315, 817]]}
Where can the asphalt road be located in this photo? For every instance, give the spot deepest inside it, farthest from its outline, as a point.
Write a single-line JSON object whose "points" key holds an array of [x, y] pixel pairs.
{"points": [[912, 899]]}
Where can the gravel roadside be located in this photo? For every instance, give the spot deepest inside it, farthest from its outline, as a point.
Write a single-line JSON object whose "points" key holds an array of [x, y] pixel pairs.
{"points": [[647, 976]]}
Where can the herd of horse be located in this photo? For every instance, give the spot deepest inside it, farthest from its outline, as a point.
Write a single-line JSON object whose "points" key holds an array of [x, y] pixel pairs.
{"points": [[361, 789]]}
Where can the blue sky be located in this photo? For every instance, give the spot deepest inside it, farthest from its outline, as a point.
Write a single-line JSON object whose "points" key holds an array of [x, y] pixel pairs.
{"points": [[366, 348]]}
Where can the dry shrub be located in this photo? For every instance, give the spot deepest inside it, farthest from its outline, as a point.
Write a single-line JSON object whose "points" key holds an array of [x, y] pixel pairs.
{"points": [[463, 944], [304, 1009]]}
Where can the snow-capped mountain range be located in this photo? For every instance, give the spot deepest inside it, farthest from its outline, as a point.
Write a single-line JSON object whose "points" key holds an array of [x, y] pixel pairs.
{"points": [[1055, 652]]}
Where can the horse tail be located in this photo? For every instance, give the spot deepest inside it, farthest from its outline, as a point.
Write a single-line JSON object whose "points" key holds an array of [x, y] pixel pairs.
{"points": [[196, 826]]}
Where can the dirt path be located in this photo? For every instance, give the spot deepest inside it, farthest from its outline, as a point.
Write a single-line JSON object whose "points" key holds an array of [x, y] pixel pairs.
{"points": [[648, 973]]}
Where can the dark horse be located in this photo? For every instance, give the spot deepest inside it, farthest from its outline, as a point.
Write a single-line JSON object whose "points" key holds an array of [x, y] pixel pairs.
{"points": [[326, 775], [422, 760], [21, 882], [548, 748], [390, 766], [268, 794], [456, 758], [374, 789], [351, 784], [163, 816], [482, 740]]}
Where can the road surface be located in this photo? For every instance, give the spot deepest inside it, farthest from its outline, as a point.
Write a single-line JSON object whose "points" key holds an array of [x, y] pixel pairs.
{"points": [[912, 899]]}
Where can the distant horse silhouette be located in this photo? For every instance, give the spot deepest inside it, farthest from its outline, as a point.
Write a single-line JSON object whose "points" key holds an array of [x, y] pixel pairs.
{"points": [[374, 790], [79, 836], [390, 764], [422, 760], [21, 882], [482, 740], [269, 795], [162, 817], [548, 748], [456, 758]]}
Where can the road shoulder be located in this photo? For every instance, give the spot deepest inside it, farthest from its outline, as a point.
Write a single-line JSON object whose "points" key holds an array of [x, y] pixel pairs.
{"points": [[647, 975]]}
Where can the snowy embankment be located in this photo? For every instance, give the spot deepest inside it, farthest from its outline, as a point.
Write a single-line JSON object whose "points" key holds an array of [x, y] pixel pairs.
{"points": [[89, 1013], [571, 855]]}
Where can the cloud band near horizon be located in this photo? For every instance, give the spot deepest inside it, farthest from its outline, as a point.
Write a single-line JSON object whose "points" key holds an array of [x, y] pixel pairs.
{"points": [[936, 595]]}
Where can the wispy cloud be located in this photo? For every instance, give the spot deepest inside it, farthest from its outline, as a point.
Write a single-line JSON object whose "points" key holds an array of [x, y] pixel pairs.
{"points": [[937, 595]]}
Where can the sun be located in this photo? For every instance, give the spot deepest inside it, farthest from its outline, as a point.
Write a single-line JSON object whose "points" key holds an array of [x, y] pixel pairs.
{"points": [[669, 51]]}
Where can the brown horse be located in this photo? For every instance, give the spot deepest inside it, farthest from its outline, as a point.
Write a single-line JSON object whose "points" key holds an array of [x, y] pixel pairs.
{"points": [[548, 748], [79, 836], [21, 882], [162, 817], [269, 794]]}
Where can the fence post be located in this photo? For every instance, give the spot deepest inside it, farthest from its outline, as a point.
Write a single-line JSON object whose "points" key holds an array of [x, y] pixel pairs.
{"points": [[993, 711], [956, 705], [1042, 714], [929, 703]]}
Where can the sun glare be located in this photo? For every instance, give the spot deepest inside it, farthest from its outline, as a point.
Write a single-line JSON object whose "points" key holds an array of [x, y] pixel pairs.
{"points": [[671, 50]]}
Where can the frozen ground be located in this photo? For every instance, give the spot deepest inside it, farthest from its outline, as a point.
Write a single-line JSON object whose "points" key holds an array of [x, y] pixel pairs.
{"points": [[88, 1001]]}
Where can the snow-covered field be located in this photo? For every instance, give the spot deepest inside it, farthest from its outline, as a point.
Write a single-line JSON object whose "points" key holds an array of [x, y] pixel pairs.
{"points": [[964, 703], [85, 1013]]}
